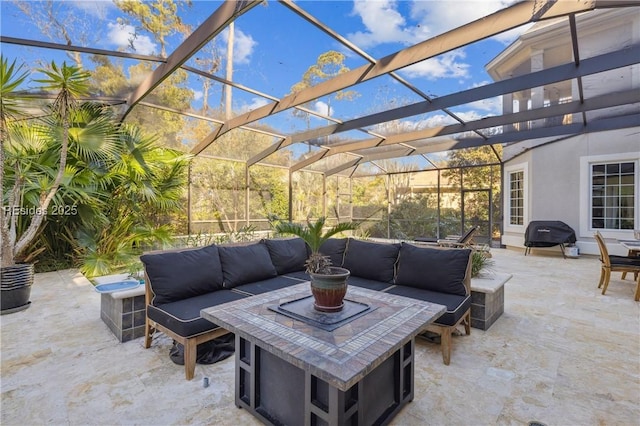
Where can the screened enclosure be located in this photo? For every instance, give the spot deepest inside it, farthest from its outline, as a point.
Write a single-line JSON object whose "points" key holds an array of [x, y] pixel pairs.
{"points": [[326, 127]]}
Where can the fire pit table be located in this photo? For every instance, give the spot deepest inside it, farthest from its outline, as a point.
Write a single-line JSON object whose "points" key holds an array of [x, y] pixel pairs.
{"points": [[294, 370]]}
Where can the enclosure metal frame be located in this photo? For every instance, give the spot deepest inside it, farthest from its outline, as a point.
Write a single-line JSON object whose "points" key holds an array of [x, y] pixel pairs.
{"points": [[462, 134]]}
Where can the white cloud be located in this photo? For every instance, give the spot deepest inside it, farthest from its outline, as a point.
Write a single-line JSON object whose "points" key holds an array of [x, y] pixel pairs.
{"points": [[431, 18], [97, 8], [123, 35], [425, 20], [255, 103], [491, 105], [433, 121], [243, 45], [443, 66], [322, 108], [510, 36], [197, 94], [438, 17], [383, 22]]}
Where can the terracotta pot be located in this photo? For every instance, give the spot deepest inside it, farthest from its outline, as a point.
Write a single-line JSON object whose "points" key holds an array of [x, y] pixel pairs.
{"points": [[329, 289], [15, 287]]}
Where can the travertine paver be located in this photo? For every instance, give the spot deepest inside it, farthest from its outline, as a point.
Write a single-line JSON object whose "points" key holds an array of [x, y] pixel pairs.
{"points": [[561, 353]]}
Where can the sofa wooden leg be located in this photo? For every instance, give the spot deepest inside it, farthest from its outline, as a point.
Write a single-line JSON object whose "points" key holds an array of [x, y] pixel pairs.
{"points": [[445, 342], [637, 295], [148, 334], [467, 323], [190, 354]]}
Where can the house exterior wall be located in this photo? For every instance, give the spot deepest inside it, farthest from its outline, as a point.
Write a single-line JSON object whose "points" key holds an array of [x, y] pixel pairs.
{"points": [[557, 183], [557, 173]]}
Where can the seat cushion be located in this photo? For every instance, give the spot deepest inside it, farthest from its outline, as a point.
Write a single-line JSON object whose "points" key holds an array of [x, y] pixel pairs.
{"points": [[425, 239], [270, 284], [456, 305], [183, 317], [374, 261], [433, 269], [367, 283], [245, 264], [334, 248], [624, 261], [300, 275], [287, 255], [183, 274]]}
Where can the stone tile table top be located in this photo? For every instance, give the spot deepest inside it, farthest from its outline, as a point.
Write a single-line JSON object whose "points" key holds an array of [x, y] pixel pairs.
{"points": [[341, 357]]}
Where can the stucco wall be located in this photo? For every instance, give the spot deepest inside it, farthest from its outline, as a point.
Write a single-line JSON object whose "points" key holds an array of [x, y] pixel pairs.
{"points": [[555, 183]]}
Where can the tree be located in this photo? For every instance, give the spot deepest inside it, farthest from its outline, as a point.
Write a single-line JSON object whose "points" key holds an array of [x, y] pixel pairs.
{"points": [[329, 65], [468, 171], [69, 82], [209, 60], [159, 17], [111, 79], [61, 24], [11, 78], [143, 183]]}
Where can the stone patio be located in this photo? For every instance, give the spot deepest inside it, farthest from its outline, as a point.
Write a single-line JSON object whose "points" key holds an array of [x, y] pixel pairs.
{"points": [[561, 353]]}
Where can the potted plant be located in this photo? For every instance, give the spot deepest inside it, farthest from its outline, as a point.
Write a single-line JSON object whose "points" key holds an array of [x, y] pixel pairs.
{"points": [[328, 283], [27, 185]]}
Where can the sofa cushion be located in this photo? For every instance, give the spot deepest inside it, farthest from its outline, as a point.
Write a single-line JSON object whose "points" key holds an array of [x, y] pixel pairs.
{"points": [[438, 270], [334, 248], [183, 316], [456, 305], [287, 255], [367, 283], [245, 264], [182, 274], [300, 275], [264, 286], [375, 261]]}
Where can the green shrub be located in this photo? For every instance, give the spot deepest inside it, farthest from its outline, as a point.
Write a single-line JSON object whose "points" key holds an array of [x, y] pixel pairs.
{"points": [[480, 260]]}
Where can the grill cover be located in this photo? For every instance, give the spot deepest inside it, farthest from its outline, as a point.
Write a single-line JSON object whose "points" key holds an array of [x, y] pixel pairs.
{"points": [[548, 233]]}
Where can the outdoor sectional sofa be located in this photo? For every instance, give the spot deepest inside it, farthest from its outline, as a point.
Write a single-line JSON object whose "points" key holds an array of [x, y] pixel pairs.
{"points": [[180, 283]]}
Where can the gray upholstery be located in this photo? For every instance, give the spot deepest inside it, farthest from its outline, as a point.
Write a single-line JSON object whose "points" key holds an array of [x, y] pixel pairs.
{"points": [[246, 264]]}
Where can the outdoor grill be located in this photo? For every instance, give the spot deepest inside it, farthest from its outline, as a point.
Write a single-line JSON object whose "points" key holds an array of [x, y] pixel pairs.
{"points": [[548, 233]]}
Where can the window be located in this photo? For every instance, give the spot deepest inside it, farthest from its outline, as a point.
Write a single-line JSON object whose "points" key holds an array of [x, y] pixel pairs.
{"points": [[516, 198], [613, 195]]}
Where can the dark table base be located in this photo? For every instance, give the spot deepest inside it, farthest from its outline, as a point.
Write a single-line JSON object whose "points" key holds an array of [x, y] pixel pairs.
{"points": [[280, 393]]}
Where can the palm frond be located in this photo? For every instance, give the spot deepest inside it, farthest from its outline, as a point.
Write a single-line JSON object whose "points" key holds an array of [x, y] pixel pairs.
{"points": [[11, 77]]}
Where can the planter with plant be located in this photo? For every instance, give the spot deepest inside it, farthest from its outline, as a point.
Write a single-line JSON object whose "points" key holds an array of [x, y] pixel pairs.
{"points": [[480, 261], [328, 283]]}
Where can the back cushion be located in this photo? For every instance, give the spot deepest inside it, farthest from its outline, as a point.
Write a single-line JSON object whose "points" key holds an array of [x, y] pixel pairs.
{"points": [[433, 269], [245, 264], [179, 275], [334, 248], [374, 261], [287, 255]]}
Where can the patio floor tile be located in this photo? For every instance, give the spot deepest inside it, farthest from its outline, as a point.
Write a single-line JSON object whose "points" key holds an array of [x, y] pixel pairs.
{"points": [[560, 354]]}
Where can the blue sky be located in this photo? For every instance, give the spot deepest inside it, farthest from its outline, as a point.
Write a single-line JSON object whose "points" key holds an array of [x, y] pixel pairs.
{"points": [[273, 48]]}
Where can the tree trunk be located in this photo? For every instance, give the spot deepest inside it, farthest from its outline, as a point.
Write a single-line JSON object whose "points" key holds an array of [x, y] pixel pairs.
{"points": [[5, 243], [229, 74], [45, 200]]}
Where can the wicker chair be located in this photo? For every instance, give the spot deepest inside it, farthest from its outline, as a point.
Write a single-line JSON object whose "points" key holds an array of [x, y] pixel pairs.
{"points": [[612, 263]]}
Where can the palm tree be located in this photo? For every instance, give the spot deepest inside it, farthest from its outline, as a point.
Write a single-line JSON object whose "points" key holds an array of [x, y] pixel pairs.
{"points": [[315, 235], [11, 77], [144, 183], [70, 83]]}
